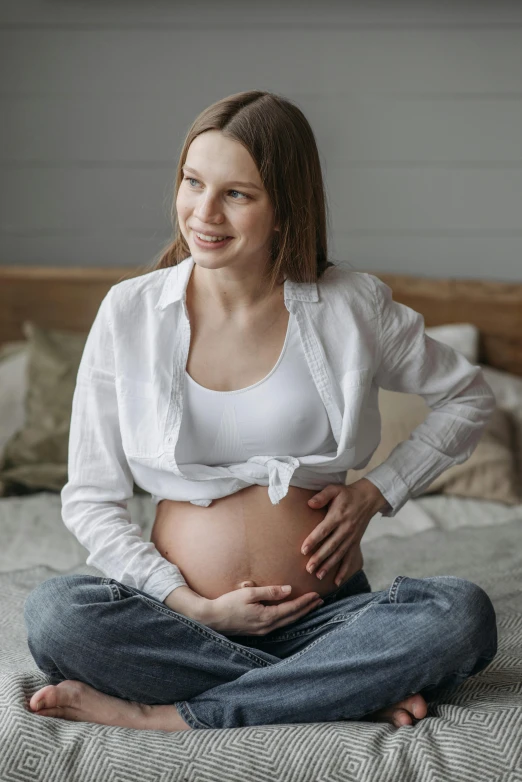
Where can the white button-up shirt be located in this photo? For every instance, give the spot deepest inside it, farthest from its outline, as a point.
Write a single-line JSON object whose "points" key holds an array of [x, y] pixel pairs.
{"points": [[128, 404]]}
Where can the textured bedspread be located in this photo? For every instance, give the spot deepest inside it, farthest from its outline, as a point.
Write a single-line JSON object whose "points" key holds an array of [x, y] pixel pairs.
{"points": [[472, 733]]}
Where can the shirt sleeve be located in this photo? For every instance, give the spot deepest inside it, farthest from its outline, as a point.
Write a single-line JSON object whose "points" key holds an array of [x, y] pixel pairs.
{"points": [[460, 399], [100, 482]]}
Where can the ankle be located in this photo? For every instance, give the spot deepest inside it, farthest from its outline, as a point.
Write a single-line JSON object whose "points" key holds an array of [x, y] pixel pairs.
{"points": [[163, 718]]}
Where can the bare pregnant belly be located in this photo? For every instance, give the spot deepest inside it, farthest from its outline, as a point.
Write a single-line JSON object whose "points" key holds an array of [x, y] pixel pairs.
{"points": [[243, 537]]}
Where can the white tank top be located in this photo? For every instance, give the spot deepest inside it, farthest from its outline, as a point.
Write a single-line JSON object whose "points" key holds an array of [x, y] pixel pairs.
{"points": [[280, 415]]}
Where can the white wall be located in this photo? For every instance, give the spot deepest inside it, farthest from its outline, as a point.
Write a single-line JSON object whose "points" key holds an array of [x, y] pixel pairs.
{"points": [[416, 106]]}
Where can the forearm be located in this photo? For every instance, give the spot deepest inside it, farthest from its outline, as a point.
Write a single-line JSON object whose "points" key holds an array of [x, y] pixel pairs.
{"points": [[185, 601]]}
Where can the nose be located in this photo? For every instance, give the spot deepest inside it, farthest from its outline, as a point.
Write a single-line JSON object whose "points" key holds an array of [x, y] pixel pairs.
{"points": [[207, 209]]}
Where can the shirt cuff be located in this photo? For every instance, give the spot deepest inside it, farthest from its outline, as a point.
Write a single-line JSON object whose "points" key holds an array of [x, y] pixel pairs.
{"points": [[162, 582], [390, 482], [391, 486]]}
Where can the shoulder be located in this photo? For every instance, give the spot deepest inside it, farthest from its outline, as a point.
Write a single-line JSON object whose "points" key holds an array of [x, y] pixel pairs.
{"points": [[137, 294], [356, 289]]}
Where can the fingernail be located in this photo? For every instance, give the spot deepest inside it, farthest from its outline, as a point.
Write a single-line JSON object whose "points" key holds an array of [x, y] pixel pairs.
{"points": [[40, 705], [306, 550], [321, 574], [285, 589]]}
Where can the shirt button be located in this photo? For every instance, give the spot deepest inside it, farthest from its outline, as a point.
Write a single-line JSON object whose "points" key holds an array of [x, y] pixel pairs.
{"points": [[169, 439]]}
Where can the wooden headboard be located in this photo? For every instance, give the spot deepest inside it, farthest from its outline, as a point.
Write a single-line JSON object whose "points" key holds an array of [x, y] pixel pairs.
{"points": [[68, 298]]}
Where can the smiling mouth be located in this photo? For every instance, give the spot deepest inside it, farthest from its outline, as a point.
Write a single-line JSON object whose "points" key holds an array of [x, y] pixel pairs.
{"points": [[209, 241]]}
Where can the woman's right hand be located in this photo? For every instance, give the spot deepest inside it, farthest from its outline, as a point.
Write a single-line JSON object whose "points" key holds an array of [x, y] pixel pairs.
{"points": [[241, 611]]}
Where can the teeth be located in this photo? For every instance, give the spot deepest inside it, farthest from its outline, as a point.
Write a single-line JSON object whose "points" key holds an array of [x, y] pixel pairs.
{"points": [[211, 238]]}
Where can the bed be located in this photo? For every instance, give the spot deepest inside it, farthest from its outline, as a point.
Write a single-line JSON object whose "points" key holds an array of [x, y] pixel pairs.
{"points": [[471, 733]]}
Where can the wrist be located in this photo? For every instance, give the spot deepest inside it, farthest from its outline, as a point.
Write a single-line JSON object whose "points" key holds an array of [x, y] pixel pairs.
{"points": [[185, 601], [378, 500]]}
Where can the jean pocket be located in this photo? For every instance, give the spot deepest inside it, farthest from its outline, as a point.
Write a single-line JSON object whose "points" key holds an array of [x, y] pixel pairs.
{"points": [[121, 591]]}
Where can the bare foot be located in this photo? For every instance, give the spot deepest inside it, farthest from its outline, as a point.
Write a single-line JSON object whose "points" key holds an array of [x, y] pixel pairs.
{"points": [[74, 700], [401, 713]]}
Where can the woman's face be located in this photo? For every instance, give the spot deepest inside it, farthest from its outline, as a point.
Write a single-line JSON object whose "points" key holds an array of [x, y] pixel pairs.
{"points": [[212, 200]]}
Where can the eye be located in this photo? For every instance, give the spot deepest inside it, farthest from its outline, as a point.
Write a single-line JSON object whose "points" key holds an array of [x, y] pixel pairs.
{"points": [[191, 179], [237, 191]]}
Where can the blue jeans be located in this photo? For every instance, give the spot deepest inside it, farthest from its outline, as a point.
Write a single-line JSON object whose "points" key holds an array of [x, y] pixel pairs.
{"points": [[359, 652]]}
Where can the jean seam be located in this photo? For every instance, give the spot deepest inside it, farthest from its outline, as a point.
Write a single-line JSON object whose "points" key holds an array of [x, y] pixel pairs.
{"points": [[394, 589], [329, 599], [201, 629], [188, 715], [113, 589], [300, 633], [349, 620]]}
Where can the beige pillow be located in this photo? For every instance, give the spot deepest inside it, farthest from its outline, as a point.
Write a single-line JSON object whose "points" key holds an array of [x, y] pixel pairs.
{"points": [[507, 389], [488, 474], [35, 457], [9, 349]]}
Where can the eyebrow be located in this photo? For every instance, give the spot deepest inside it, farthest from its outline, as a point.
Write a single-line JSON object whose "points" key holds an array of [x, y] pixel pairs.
{"points": [[243, 184]]}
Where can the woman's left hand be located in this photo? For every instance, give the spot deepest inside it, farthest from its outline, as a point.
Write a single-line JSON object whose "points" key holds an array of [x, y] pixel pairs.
{"points": [[351, 510]]}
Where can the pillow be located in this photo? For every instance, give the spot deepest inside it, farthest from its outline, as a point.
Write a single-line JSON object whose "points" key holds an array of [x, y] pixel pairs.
{"points": [[507, 389], [463, 337], [488, 474], [13, 365], [9, 349], [35, 455]]}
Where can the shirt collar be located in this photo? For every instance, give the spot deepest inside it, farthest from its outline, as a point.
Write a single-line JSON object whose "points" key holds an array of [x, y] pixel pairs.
{"points": [[175, 286]]}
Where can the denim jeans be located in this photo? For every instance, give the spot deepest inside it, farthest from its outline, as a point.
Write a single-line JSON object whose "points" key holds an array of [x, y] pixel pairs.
{"points": [[359, 652]]}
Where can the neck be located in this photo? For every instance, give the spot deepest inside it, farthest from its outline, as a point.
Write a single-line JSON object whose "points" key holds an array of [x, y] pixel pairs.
{"points": [[229, 293]]}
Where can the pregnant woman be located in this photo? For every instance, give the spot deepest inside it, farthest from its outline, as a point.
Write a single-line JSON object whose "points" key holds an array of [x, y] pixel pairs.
{"points": [[237, 383]]}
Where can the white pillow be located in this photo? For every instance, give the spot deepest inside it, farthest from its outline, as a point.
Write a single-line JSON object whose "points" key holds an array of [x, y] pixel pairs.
{"points": [[463, 337], [506, 387]]}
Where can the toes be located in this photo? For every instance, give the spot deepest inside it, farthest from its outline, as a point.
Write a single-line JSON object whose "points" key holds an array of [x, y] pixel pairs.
{"points": [[419, 707], [57, 697], [401, 717], [42, 695]]}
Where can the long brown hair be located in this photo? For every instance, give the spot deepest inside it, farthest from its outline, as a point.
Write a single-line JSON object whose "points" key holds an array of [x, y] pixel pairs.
{"points": [[282, 144]]}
